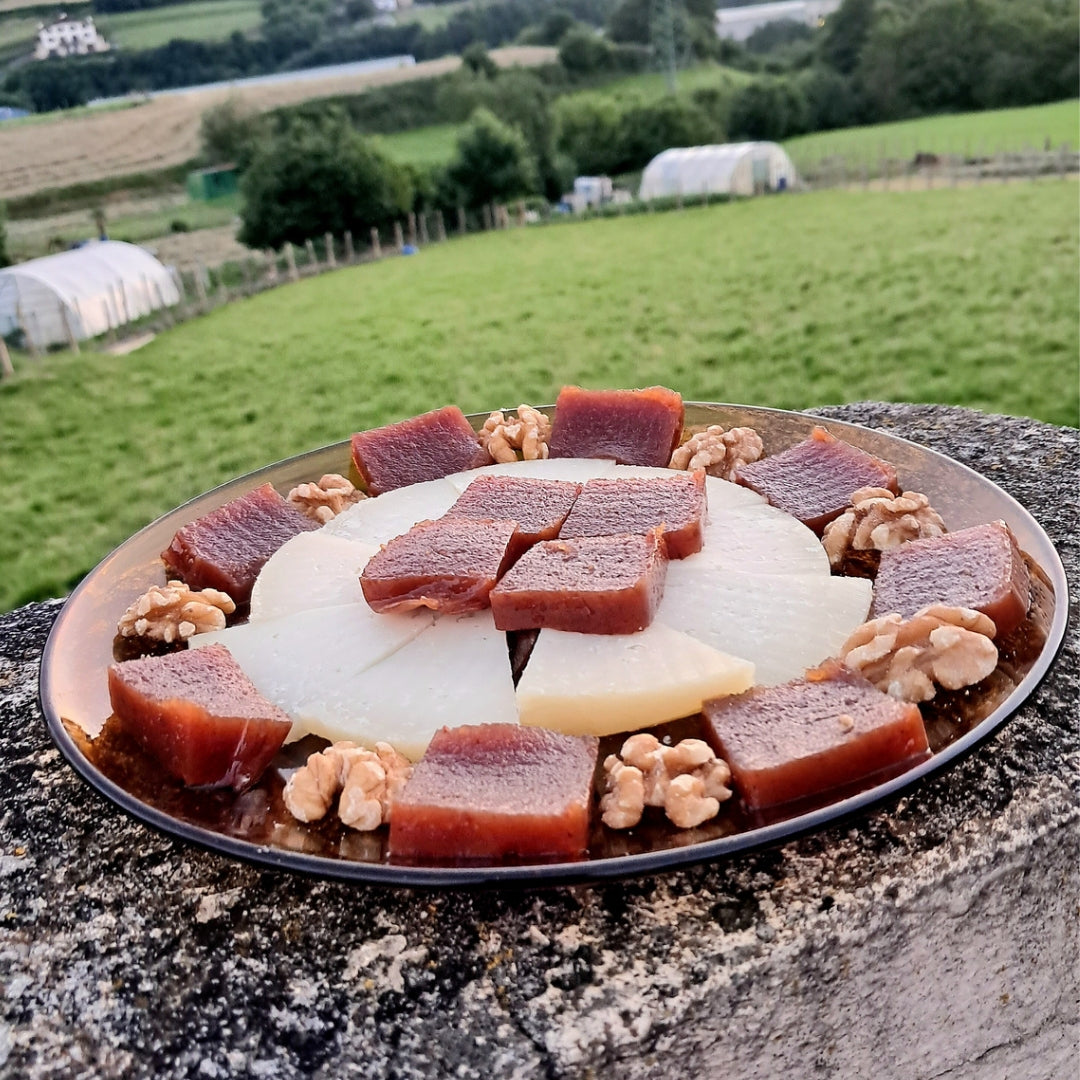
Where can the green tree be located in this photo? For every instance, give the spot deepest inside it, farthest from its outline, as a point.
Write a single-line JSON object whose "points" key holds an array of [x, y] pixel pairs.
{"points": [[477, 59], [317, 176], [846, 32], [771, 109], [648, 128], [491, 162], [587, 131], [584, 52], [230, 133], [631, 22]]}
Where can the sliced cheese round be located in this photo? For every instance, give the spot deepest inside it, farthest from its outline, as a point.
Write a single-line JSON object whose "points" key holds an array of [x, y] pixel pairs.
{"points": [[455, 672], [311, 663], [783, 623], [597, 684], [312, 570], [379, 519], [757, 539], [577, 470]]}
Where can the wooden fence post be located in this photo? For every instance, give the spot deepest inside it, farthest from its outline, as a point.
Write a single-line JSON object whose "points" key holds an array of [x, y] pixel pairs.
{"points": [[169, 320], [6, 368], [376, 247], [440, 227], [271, 268], [412, 228], [290, 262], [486, 214], [31, 344], [312, 262], [424, 239], [350, 254], [399, 238], [331, 258], [461, 220], [73, 341], [200, 287]]}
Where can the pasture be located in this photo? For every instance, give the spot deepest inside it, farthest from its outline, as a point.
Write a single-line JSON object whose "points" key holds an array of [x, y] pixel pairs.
{"points": [[203, 20], [956, 296], [970, 134], [59, 150]]}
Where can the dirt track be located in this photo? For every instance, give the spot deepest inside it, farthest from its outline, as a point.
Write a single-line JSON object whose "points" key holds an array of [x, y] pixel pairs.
{"points": [[164, 131]]}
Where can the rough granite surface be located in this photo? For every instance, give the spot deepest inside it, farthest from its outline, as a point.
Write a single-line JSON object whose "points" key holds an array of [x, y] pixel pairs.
{"points": [[935, 936]]}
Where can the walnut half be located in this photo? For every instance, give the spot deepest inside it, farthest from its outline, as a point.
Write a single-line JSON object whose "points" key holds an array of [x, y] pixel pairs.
{"points": [[529, 432], [878, 520], [174, 612], [688, 780], [717, 451], [368, 781], [324, 500], [946, 646]]}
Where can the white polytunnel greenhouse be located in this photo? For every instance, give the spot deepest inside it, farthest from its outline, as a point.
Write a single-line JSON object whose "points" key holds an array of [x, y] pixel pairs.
{"points": [[748, 168], [83, 292]]}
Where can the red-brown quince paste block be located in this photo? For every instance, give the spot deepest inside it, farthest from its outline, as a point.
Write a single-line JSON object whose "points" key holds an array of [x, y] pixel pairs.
{"points": [[814, 480], [538, 506], [424, 447], [675, 505], [450, 565], [803, 738], [495, 790], [592, 585], [980, 568], [198, 715], [635, 427], [228, 547]]}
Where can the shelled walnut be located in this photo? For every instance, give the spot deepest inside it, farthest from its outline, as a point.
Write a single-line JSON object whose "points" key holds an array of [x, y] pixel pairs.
{"points": [[688, 780], [503, 436], [717, 451], [174, 612], [946, 646], [878, 520], [325, 499], [367, 781]]}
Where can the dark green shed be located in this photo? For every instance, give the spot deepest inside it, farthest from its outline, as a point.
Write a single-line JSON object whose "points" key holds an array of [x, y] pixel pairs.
{"points": [[213, 182]]}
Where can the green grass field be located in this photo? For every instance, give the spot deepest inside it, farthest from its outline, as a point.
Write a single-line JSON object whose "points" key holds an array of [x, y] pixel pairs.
{"points": [[980, 133], [204, 20], [957, 296], [430, 16], [422, 146]]}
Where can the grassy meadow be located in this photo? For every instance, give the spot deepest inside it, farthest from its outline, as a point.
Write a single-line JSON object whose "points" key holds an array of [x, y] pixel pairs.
{"points": [[956, 296], [979, 133], [203, 20]]}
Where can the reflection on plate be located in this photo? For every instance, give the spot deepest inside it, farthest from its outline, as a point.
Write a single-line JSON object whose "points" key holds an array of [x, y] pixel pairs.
{"points": [[255, 824]]}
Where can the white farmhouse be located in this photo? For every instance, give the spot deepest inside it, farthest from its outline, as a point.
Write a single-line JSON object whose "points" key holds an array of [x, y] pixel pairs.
{"points": [[739, 23], [69, 37]]}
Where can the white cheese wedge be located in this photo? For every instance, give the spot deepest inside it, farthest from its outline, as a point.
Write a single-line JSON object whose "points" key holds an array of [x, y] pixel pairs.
{"points": [[758, 539], [724, 494], [783, 623], [456, 672], [577, 470], [379, 519], [312, 663], [596, 684], [312, 570]]}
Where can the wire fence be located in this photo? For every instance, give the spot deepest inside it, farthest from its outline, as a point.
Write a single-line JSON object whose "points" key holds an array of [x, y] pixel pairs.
{"points": [[203, 288]]}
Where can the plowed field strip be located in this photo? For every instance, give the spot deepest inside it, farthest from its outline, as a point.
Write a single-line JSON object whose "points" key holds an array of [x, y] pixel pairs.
{"points": [[165, 130]]}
